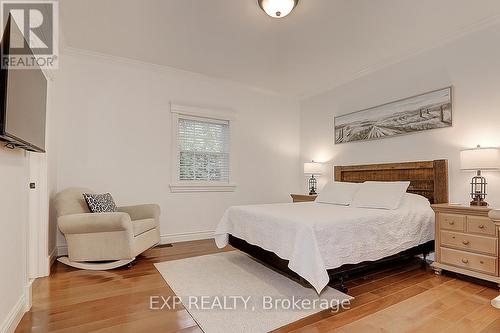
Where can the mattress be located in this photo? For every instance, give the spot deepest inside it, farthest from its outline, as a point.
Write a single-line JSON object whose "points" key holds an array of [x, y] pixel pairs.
{"points": [[315, 237]]}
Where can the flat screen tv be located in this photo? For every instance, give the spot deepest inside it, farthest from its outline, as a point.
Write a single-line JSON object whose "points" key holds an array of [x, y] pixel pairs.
{"points": [[23, 99]]}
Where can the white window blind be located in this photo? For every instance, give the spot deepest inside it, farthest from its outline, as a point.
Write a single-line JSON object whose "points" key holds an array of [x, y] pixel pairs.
{"points": [[203, 149]]}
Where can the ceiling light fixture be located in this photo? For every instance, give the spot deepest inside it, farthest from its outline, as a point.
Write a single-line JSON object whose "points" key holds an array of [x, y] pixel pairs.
{"points": [[278, 8]]}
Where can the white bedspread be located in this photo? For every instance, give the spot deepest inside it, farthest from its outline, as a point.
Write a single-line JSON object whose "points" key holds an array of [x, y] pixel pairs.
{"points": [[315, 237]]}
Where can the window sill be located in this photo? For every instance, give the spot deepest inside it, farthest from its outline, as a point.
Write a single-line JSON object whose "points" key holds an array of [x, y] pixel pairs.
{"points": [[179, 187]]}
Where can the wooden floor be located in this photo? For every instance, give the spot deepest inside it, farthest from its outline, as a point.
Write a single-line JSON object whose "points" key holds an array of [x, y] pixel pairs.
{"points": [[405, 299]]}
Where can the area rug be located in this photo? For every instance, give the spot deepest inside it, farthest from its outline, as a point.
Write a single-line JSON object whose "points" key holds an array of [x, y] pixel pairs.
{"points": [[231, 292]]}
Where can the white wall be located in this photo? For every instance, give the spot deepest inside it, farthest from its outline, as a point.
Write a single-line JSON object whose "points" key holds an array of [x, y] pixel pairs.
{"points": [[471, 64], [14, 171], [114, 134]]}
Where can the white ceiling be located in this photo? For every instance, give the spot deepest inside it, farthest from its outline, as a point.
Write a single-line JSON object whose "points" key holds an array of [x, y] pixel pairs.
{"points": [[322, 44]]}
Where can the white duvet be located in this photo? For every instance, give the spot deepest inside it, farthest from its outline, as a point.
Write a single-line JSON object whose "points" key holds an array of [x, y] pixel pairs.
{"points": [[315, 237]]}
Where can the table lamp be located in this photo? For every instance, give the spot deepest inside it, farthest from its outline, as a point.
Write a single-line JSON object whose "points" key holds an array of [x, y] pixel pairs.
{"points": [[479, 159], [312, 168]]}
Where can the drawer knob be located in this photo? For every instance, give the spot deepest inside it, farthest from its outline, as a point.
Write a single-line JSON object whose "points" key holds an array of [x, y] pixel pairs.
{"points": [[465, 242], [481, 226], [481, 262], [465, 261], [451, 222]]}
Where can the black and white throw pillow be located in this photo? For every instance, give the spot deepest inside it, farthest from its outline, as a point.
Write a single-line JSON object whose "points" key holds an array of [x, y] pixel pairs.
{"points": [[100, 203]]}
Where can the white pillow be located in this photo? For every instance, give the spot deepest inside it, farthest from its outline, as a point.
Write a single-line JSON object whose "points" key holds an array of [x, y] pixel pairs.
{"points": [[338, 193], [380, 195], [414, 200]]}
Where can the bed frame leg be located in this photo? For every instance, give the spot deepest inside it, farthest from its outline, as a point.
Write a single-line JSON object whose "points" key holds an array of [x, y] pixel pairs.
{"points": [[343, 287], [424, 259]]}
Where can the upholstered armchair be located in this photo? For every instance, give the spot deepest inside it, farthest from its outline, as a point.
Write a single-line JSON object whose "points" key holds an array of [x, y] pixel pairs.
{"points": [[100, 241]]}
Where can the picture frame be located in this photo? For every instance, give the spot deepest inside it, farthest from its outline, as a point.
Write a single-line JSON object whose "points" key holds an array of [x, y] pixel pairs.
{"points": [[422, 112]]}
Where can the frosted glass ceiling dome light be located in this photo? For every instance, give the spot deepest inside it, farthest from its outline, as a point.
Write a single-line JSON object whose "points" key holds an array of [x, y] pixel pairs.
{"points": [[278, 8]]}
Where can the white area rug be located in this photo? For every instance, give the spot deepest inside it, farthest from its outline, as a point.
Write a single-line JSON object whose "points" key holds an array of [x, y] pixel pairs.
{"points": [[231, 292]]}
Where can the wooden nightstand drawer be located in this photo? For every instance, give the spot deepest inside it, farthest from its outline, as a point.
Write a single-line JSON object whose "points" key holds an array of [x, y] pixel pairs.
{"points": [[481, 225], [468, 242], [452, 222], [467, 260]]}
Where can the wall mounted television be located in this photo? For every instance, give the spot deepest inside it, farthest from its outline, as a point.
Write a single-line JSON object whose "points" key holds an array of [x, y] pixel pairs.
{"points": [[23, 99]]}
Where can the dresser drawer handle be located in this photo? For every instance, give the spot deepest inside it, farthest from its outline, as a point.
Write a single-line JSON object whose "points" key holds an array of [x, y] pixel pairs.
{"points": [[481, 262], [465, 242], [465, 261], [481, 226], [451, 222]]}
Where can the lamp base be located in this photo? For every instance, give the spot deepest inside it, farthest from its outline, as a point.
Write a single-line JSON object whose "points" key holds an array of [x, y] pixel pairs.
{"points": [[480, 203], [313, 185]]}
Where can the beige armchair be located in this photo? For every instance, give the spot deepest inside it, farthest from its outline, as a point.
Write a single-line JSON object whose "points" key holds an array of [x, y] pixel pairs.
{"points": [[100, 241]]}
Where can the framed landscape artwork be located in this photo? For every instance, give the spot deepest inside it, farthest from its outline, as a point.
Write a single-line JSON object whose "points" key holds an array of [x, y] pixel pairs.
{"points": [[414, 114]]}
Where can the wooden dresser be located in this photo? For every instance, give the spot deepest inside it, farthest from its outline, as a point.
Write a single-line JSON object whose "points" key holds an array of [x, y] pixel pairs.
{"points": [[303, 197], [467, 242]]}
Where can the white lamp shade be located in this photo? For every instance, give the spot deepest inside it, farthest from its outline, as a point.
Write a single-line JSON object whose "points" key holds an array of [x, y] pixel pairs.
{"points": [[480, 159], [278, 8], [313, 168]]}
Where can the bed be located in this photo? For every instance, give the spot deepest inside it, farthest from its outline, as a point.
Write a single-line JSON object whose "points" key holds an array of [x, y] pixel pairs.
{"points": [[323, 244]]}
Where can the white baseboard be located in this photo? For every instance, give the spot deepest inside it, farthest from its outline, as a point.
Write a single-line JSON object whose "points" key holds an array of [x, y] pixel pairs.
{"points": [[16, 314], [52, 257], [28, 295], [186, 236], [62, 250]]}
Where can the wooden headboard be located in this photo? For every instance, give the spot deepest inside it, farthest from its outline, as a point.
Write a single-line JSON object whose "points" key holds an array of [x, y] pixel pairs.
{"points": [[428, 178]]}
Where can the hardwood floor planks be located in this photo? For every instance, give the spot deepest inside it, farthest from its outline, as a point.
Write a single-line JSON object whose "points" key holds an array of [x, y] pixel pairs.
{"points": [[397, 299]]}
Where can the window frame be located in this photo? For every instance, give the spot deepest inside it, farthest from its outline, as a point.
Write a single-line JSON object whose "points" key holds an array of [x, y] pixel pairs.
{"points": [[190, 112]]}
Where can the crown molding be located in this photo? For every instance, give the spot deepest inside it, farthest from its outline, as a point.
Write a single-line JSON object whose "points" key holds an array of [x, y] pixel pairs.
{"points": [[164, 69], [411, 53], [362, 71]]}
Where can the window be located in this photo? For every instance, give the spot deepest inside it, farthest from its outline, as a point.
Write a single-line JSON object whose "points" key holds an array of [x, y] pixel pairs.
{"points": [[201, 150]]}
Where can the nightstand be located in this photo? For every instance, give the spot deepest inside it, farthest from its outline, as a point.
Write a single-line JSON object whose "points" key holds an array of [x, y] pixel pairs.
{"points": [[466, 242], [303, 197]]}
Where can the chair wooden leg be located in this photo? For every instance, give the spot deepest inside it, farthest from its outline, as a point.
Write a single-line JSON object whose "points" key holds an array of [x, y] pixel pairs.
{"points": [[95, 266]]}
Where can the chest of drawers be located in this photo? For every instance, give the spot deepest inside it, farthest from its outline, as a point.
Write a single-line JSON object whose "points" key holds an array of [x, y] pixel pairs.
{"points": [[467, 242]]}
